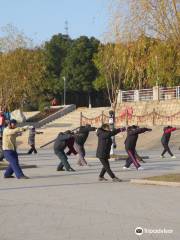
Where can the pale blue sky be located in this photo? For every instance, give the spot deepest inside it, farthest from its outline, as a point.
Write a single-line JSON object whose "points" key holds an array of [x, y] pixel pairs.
{"points": [[40, 19]]}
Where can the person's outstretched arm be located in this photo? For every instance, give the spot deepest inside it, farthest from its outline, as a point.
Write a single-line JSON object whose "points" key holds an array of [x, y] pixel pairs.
{"points": [[16, 130], [170, 130], [88, 129], [39, 132], [114, 132], [139, 131]]}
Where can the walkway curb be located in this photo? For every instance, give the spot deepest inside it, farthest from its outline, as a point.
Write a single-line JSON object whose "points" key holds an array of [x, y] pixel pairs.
{"points": [[150, 182]]}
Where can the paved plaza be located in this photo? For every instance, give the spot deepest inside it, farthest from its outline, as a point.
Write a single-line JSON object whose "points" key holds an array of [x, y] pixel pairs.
{"points": [[75, 206]]}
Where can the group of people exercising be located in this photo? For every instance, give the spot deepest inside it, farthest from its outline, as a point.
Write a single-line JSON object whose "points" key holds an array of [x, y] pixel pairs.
{"points": [[75, 142]]}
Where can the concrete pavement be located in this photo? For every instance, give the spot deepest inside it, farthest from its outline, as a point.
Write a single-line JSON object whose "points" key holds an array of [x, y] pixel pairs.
{"points": [[75, 206]]}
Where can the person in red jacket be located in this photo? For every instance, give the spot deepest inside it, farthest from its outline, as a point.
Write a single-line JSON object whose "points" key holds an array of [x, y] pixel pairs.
{"points": [[2, 121], [165, 140], [54, 102]]}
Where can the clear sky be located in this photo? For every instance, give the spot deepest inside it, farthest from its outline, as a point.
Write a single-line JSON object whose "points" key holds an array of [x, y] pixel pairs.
{"points": [[40, 19]]}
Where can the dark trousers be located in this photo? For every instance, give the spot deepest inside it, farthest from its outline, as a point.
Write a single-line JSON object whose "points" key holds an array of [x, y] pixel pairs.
{"points": [[139, 158], [13, 167], [166, 149], [32, 149], [106, 168], [1, 155], [131, 158], [63, 160]]}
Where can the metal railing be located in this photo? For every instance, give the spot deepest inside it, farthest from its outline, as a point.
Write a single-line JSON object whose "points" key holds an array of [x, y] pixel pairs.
{"points": [[146, 94], [128, 96], [155, 93], [168, 93], [62, 112]]}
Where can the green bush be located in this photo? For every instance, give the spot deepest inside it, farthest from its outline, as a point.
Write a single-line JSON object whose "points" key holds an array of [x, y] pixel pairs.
{"points": [[43, 106]]}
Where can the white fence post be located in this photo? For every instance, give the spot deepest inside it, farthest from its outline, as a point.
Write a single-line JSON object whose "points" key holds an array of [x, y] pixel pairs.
{"points": [[119, 98], [136, 95], [177, 92], [156, 93]]}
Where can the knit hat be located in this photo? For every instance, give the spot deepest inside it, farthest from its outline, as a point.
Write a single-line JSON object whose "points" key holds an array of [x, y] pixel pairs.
{"points": [[13, 121]]}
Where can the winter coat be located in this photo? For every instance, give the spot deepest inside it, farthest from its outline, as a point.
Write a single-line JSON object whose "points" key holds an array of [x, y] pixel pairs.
{"points": [[31, 138], [9, 137], [32, 134], [167, 135], [83, 133], [105, 142], [61, 142], [132, 137]]}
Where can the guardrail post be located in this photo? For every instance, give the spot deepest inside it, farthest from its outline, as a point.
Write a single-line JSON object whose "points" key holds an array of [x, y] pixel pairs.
{"points": [[177, 92], [136, 95], [126, 117], [156, 93]]}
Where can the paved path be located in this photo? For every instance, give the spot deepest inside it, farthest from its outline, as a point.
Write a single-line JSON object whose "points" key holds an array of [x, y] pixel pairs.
{"points": [[75, 206]]}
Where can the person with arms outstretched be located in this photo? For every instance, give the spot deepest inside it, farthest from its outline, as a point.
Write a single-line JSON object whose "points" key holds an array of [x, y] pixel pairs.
{"points": [[10, 150], [165, 140], [104, 135], [80, 139], [130, 146], [59, 146], [31, 139]]}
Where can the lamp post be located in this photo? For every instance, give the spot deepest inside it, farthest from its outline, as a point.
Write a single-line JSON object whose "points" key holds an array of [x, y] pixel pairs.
{"points": [[64, 90]]}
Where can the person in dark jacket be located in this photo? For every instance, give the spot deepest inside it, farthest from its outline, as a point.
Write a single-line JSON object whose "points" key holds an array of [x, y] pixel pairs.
{"points": [[80, 139], [103, 150], [59, 146], [70, 145], [165, 140], [130, 145], [31, 139]]}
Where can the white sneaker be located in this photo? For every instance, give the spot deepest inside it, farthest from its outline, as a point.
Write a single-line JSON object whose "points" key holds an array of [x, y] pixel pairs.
{"points": [[140, 168], [162, 156], [126, 168], [173, 157]]}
